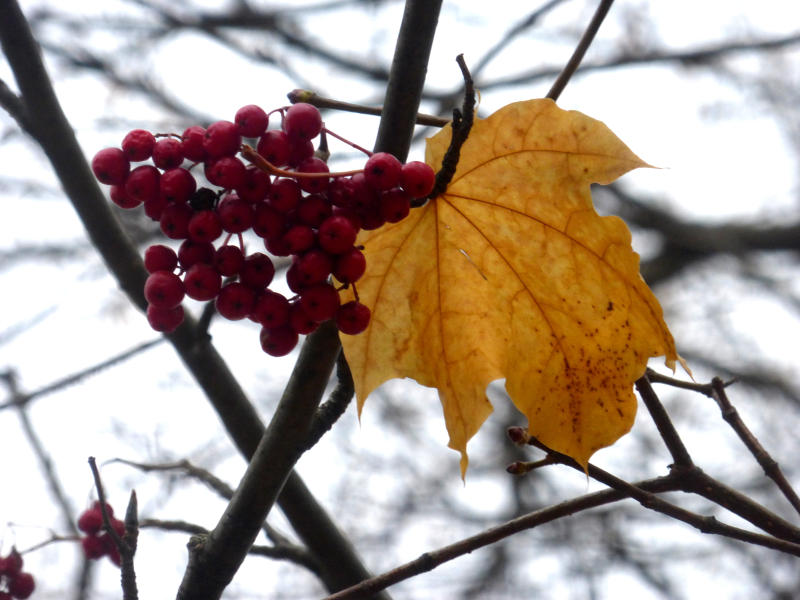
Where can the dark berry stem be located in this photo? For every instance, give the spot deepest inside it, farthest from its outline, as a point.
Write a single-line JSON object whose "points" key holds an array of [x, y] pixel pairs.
{"points": [[462, 123]]}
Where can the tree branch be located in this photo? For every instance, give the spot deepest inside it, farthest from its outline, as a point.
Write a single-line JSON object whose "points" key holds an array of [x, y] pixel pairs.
{"points": [[214, 561]]}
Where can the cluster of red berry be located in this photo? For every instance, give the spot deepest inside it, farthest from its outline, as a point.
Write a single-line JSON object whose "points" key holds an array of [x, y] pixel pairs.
{"points": [[287, 197], [98, 543], [14, 582]]}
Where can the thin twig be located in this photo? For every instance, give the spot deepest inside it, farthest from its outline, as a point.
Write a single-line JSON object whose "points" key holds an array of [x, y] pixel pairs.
{"points": [[664, 424], [432, 559], [14, 106], [127, 545], [290, 552], [212, 481], [315, 99], [128, 549], [61, 498], [770, 466], [580, 50], [21, 399], [656, 377], [687, 478]]}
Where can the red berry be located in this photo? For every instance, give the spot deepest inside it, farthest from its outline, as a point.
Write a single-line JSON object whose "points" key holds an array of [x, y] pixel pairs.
{"points": [[235, 214], [90, 521], [350, 215], [278, 341], [121, 199], [164, 289], [165, 320], [175, 221], [337, 235], [154, 207], [138, 145], [226, 172], [363, 197], [395, 205], [277, 246], [299, 150], [228, 260], [192, 143], [118, 526], [222, 139], [417, 178], [205, 226], [382, 171], [202, 282], [313, 184], [143, 183], [313, 210], [314, 267], [302, 121], [168, 153], [299, 238], [293, 277], [340, 191], [98, 507], [352, 317], [274, 146], [110, 166], [93, 547], [257, 271], [160, 258], [177, 185], [191, 253], [252, 120], [299, 320], [114, 556], [320, 301], [235, 301], [268, 222], [11, 565], [271, 309], [350, 266], [255, 186], [284, 195], [21, 586], [372, 218]]}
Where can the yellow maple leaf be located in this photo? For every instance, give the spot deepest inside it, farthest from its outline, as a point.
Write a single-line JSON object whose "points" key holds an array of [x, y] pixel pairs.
{"points": [[512, 274]]}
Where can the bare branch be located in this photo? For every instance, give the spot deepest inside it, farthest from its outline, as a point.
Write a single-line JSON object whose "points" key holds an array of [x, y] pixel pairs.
{"points": [[770, 466], [580, 50]]}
